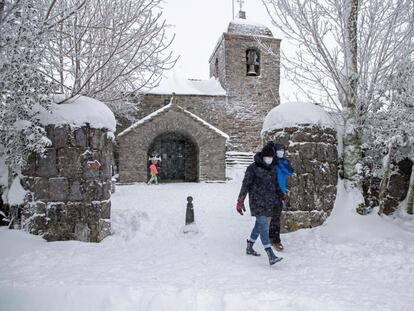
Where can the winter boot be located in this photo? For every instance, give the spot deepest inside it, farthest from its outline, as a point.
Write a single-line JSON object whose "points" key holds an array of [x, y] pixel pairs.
{"points": [[278, 246], [250, 250], [272, 257]]}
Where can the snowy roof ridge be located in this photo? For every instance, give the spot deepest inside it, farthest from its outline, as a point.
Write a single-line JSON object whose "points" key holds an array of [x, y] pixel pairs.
{"points": [[145, 119], [212, 127], [248, 27], [185, 86], [165, 109]]}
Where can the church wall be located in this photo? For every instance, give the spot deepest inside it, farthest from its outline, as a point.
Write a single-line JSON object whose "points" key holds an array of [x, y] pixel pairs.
{"points": [[209, 108], [219, 54], [134, 145]]}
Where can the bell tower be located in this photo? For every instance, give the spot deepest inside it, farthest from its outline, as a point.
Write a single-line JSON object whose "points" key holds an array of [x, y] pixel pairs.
{"points": [[246, 61]]}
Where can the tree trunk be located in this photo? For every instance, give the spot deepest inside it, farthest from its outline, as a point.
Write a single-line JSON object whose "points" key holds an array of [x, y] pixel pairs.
{"points": [[386, 177], [352, 137], [61, 77], [410, 195]]}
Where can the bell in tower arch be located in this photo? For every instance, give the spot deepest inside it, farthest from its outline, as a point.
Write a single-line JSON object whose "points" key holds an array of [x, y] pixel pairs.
{"points": [[253, 62]]}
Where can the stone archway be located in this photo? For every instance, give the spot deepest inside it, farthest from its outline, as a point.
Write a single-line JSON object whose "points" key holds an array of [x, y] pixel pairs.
{"points": [[179, 157]]}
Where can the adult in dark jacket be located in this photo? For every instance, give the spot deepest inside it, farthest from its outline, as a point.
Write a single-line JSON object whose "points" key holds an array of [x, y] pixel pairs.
{"points": [[283, 169], [260, 182]]}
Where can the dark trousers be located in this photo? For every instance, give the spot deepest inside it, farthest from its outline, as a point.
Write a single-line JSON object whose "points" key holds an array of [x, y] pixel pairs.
{"points": [[274, 227]]}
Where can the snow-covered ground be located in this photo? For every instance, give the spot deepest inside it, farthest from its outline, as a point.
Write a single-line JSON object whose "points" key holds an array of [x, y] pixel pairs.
{"points": [[351, 263]]}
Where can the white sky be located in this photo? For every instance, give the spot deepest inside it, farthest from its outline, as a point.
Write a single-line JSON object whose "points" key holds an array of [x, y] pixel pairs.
{"points": [[198, 24]]}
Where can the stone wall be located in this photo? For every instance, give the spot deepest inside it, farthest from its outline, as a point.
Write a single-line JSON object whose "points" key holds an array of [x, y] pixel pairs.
{"points": [[397, 189], [312, 151], [134, 145], [67, 200]]}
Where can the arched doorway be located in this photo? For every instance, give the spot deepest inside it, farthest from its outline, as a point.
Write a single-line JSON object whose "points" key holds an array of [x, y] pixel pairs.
{"points": [[179, 157]]}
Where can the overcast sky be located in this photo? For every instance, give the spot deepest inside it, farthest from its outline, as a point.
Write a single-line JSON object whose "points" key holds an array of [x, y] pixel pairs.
{"points": [[198, 24]]}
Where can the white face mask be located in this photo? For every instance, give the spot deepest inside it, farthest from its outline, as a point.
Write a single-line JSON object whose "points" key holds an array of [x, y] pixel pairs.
{"points": [[280, 153], [268, 160]]}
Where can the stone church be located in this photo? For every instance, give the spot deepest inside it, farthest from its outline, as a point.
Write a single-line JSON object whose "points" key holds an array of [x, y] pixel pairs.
{"points": [[192, 130]]}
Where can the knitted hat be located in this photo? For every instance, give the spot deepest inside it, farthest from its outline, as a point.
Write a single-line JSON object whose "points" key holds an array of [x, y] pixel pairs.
{"points": [[280, 147], [268, 151]]}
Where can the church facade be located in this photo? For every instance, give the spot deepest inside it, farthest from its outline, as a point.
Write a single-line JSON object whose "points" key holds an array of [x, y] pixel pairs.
{"points": [[211, 117]]}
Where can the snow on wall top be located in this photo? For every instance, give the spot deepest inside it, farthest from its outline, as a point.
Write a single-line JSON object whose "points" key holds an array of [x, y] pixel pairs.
{"points": [[296, 113], [77, 112], [246, 27], [182, 86]]}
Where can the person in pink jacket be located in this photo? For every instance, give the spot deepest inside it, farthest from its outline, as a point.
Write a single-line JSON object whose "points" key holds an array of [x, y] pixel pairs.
{"points": [[154, 172]]}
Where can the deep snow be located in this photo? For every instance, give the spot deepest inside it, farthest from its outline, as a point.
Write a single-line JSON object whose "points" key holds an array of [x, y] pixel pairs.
{"points": [[351, 263]]}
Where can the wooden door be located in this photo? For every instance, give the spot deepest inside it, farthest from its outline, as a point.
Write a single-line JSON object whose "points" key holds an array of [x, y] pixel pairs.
{"points": [[172, 166]]}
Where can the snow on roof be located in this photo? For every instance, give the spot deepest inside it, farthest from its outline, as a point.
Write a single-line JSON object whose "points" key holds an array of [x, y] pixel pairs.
{"points": [[145, 119], [247, 27], [165, 108], [182, 86], [221, 133], [77, 112], [296, 113]]}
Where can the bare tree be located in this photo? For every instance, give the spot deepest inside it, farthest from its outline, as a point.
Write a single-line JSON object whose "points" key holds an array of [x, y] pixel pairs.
{"points": [[108, 49], [347, 48]]}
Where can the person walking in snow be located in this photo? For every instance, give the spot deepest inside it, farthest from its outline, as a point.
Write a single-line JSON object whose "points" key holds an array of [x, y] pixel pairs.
{"points": [[260, 182], [153, 172], [283, 169]]}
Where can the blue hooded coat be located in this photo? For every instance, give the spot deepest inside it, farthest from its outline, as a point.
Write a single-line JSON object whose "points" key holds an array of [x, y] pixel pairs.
{"points": [[283, 169]]}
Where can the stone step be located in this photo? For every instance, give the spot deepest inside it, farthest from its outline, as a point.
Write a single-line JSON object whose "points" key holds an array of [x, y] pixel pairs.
{"points": [[234, 158]]}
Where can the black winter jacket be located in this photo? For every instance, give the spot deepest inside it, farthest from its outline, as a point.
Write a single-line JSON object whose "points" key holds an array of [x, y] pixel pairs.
{"points": [[260, 182]]}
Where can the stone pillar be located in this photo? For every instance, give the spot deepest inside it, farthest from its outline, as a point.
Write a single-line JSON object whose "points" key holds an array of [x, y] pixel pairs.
{"points": [[312, 151], [69, 199]]}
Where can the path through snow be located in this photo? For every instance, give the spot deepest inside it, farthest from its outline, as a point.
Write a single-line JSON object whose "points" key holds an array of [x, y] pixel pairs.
{"points": [[351, 263]]}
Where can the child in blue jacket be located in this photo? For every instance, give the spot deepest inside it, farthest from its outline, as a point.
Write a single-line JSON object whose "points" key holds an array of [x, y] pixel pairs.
{"points": [[283, 169]]}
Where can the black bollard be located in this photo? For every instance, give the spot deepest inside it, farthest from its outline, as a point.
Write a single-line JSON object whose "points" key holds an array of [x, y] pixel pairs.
{"points": [[189, 213]]}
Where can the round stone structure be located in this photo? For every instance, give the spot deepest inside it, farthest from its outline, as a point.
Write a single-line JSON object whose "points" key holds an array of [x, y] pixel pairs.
{"points": [[310, 137], [68, 188]]}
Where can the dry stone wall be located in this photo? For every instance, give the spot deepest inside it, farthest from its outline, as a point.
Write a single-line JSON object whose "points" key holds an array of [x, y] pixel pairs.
{"points": [[312, 151], [68, 200]]}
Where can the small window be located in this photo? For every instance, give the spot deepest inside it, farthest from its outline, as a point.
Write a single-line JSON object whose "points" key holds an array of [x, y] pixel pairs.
{"points": [[253, 62], [216, 68]]}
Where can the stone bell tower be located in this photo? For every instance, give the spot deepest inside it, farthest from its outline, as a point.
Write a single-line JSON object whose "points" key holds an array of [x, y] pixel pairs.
{"points": [[246, 61]]}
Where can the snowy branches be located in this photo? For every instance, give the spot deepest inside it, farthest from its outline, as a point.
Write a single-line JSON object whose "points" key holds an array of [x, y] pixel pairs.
{"points": [[22, 86], [348, 49], [107, 49], [322, 31], [100, 48]]}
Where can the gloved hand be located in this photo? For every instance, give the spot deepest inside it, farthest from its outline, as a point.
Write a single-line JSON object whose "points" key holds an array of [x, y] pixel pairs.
{"points": [[283, 197], [240, 206]]}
